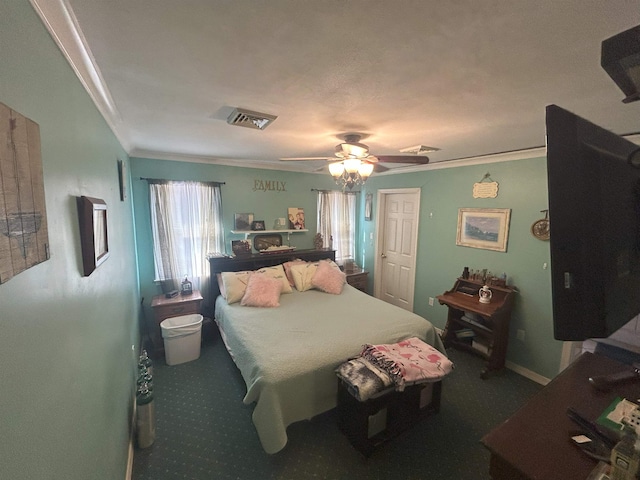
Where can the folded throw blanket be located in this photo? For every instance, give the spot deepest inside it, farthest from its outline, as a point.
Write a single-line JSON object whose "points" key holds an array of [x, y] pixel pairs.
{"points": [[362, 378], [408, 361]]}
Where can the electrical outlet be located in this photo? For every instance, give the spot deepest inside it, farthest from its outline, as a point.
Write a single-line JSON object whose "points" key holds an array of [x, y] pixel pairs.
{"points": [[520, 335], [431, 301]]}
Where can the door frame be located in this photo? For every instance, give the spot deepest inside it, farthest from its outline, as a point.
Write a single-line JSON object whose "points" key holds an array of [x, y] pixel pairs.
{"points": [[380, 228]]}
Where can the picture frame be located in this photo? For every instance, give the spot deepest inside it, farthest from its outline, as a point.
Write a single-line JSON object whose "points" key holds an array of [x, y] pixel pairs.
{"points": [[94, 240], [240, 247], [485, 228], [257, 225], [242, 221], [122, 179], [296, 218], [368, 207]]}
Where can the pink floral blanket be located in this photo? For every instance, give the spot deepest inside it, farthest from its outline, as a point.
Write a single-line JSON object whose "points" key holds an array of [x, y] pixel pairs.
{"points": [[409, 361]]}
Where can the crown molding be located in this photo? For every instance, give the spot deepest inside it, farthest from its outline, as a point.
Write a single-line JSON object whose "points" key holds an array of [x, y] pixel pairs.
{"points": [[231, 162], [60, 21]]}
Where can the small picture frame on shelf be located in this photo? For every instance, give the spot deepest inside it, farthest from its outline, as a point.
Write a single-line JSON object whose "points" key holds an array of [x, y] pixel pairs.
{"points": [[242, 221], [296, 218], [257, 225], [240, 247]]}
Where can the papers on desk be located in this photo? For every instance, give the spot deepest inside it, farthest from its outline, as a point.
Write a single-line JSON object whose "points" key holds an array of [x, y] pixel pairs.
{"points": [[621, 411]]}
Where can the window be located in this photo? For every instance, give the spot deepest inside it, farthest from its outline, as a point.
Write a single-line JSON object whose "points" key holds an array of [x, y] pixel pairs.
{"points": [[337, 221], [186, 222]]}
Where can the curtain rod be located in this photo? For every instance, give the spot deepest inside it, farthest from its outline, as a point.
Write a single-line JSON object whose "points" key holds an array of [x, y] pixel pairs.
{"points": [[324, 191], [160, 180]]}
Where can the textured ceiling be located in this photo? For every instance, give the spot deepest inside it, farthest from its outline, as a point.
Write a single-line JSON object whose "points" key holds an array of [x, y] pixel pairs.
{"points": [[471, 77]]}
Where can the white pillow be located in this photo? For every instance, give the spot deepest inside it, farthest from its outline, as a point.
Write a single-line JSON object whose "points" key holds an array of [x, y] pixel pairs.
{"points": [[302, 275], [235, 284]]}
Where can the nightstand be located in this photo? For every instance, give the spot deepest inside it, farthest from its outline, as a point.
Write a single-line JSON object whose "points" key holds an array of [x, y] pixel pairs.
{"points": [[171, 307], [358, 278]]}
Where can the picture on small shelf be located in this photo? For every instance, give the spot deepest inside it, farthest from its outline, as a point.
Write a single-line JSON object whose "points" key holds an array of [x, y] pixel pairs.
{"points": [[296, 218], [242, 221], [240, 247]]}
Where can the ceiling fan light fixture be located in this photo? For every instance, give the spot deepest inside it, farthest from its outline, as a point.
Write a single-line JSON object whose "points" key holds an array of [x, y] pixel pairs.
{"points": [[365, 170], [350, 172], [336, 170], [352, 165]]}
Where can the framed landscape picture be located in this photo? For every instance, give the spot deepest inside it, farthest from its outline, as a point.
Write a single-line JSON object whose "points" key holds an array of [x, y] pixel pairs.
{"points": [[486, 228]]}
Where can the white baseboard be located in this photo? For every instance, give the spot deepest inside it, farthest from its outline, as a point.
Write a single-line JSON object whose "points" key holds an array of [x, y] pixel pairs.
{"points": [[525, 372], [132, 430]]}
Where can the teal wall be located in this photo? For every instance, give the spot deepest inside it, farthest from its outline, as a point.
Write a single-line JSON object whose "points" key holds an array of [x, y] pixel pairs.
{"points": [[67, 366], [522, 188], [241, 193]]}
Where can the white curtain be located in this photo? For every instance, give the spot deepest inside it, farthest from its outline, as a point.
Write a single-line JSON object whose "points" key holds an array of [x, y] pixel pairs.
{"points": [[337, 223], [186, 222]]}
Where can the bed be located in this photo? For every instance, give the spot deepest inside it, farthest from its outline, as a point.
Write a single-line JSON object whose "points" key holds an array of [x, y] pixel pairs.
{"points": [[288, 355]]}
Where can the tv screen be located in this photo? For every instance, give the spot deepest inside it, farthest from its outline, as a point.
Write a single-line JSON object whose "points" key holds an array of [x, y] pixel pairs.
{"points": [[594, 215]]}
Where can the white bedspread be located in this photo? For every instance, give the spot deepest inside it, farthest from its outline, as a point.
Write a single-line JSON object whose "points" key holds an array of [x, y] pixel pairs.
{"points": [[287, 355]]}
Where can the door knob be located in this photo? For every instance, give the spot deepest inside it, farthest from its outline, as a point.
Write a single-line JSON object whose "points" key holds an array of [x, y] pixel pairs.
{"points": [[383, 255]]}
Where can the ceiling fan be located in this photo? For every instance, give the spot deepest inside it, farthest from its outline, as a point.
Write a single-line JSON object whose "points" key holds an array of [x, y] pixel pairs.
{"points": [[351, 148]]}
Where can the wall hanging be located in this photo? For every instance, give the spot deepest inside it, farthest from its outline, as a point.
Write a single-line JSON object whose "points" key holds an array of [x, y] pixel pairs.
{"points": [[92, 214], [24, 236], [485, 188], [486, 228], [540, 228]]}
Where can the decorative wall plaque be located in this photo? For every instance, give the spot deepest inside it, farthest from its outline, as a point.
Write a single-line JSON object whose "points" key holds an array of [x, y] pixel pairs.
{"points": [[24, 237], [485, 188]]}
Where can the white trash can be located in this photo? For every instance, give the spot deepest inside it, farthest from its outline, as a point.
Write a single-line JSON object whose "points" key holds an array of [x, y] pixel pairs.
{"points": [[182, 338]]}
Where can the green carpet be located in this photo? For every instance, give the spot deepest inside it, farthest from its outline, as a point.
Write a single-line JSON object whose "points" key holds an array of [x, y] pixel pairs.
{"points": [[203, 430]]}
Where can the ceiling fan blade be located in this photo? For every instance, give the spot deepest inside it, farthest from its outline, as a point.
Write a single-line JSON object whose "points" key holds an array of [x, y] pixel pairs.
{"points": [[379, 168], [417, 159], [296, 159]]}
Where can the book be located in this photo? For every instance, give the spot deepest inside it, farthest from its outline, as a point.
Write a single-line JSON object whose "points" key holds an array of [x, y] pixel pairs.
{"points": [[481, 347], [465, 333]]}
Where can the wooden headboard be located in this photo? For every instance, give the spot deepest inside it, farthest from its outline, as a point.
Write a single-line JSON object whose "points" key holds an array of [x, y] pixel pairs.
{"points": [[259, 260]]}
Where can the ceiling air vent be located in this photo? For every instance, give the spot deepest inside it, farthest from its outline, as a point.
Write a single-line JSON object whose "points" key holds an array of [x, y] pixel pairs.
{"points": [[249, 119], [419, 149]]}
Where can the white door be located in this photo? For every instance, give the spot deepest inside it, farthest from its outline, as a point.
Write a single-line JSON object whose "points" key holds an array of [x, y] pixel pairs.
{"points": [[397, 244]]}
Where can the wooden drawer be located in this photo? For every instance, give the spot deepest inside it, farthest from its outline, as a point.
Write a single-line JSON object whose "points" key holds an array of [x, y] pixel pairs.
{"points": [[358, 280], [168, 311]]}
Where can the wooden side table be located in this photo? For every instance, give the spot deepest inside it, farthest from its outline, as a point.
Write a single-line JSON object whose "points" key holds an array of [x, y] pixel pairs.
{"points": [[358, 278], [171, 307]]}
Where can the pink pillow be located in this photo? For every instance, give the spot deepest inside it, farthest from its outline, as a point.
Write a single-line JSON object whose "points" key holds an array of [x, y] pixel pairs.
{"points": [[262, 291], [328, 278]]}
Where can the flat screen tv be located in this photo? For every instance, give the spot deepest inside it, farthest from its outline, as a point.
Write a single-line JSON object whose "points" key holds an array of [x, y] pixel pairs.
{"points": [[594, 221]]}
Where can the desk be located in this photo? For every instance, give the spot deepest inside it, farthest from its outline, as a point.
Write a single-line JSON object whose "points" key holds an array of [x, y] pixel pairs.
{"points": [[535, 442], [490, 325]]}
